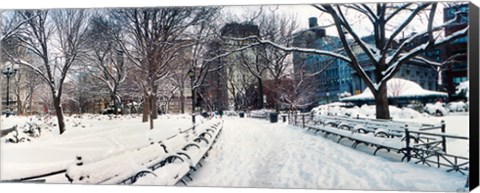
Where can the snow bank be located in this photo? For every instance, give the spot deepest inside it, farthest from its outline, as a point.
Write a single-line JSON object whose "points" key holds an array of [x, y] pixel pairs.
{"points": [[398, 88], [94, 137], [365, 111], [262, 113], [459, 106], [438, 109], [464, 89]]}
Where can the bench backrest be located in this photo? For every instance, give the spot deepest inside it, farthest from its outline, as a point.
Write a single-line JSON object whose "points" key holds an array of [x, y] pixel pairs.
{"points": [[371, 123]]}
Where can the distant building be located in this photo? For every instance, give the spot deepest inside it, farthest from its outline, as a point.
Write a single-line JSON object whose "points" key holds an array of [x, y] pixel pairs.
{"points": [[227, 87], [326, 70], [456, 68]]}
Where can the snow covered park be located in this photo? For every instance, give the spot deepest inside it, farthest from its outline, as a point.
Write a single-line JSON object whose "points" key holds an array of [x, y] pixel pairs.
{"points": [[248, 153]]}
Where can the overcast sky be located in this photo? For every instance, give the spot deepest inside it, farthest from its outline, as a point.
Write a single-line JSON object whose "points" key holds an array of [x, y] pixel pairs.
{"points": [[301, 9], [361, 25]]}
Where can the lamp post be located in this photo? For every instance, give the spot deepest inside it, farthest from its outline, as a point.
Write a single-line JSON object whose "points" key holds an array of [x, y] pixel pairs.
{"points": [[191, 74], [9, 72], [328, 96]]}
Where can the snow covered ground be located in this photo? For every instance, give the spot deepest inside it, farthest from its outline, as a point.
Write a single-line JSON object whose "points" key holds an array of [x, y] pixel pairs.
{"points": [[256, 153], [95, 137], [248, 153]]}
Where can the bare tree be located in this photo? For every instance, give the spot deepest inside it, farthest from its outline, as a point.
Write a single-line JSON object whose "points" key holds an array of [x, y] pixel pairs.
{"points": [[56, 37], [156, 36], [198, 57], [278, 28], [300, 92], [168, 91], [106, 59], [383, 54], [397, 87], [179, 79], [26, 83]]}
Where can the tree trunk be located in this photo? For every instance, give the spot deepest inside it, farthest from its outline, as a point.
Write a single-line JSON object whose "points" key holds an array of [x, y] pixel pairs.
{"points": [[381, 101], [146, 108], [19, 105], [167, 106], [30, 102], [115, 103], [275, 95], [182, 101], [153, 103], [154, 109], [58, 110], [260, 90]]}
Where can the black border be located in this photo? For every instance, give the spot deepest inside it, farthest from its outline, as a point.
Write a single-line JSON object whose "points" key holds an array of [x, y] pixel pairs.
{"points": [[473, 59]]}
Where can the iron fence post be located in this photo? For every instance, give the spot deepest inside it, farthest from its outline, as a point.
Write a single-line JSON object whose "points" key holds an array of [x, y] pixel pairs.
{"points": [[444, 140], [303, 120], [407, 141]]}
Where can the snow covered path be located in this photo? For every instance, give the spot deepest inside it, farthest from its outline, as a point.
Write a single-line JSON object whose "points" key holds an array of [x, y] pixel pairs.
{"points": [[256, 153]]}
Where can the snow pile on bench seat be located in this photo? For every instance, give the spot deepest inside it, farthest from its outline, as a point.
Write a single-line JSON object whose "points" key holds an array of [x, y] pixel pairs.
{"points": [[150, 160], [394, 143], [116, 168], [167, 175]]}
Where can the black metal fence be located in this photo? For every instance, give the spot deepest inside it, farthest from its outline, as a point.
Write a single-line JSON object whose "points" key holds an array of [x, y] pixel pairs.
{"points": [[421, 144]]}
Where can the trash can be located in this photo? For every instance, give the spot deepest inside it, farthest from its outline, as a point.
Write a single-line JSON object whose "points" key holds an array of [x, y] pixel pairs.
{"points": [[204, 114], [284, 117], [273, 117], [241, 114]]}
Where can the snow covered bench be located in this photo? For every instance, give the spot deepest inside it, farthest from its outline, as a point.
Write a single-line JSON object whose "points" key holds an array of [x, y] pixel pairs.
{"points": [[198, 142], [381, 128], [195, 155], [5, 132], [115, 169], [129, 166], [368, 139], [189, 157]]}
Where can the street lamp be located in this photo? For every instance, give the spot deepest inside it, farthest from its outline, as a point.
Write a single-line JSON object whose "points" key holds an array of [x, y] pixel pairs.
{"points": [[191, 74], [328, 95], [9, 72]]}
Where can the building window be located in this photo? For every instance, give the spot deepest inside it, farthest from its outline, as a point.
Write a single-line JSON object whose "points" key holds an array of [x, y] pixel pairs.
{"points": [[458, 80]]}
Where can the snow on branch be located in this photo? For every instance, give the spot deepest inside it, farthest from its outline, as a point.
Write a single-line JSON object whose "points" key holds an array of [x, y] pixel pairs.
{"points": [[363, 10], [427, 61], [31, 66], [420, 49], [397, 11], [372, 52], [293, 49], [405, 23], [411, 39], [231, 51]]}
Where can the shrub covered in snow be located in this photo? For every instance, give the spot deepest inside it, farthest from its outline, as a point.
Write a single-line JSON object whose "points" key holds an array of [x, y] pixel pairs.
{"points": [[457, 106], [437, 109], [25, 132], [463, 89], [365, 111], [230, 113], [260, 113]]}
